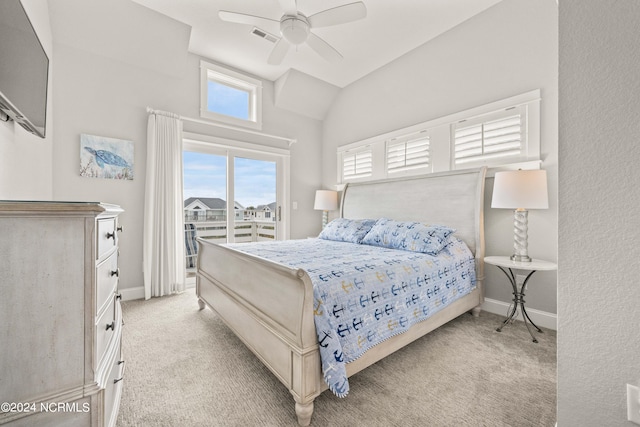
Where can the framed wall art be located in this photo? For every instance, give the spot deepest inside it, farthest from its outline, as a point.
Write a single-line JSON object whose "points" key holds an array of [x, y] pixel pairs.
{"points": [[108, 158]]}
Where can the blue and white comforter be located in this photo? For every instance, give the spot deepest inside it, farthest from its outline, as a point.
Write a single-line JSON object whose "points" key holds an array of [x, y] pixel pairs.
{"points": [[365, 294]]}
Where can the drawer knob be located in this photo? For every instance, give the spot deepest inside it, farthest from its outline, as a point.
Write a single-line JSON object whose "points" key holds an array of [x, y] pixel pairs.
{"points": [[119, 229], [120, 362], [118, 380], [111, 235], [111, 326], [115, 272], [119, 296]]}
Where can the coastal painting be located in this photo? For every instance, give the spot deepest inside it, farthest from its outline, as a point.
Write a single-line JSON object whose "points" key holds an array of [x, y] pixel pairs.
{"points": [[109, 158]]}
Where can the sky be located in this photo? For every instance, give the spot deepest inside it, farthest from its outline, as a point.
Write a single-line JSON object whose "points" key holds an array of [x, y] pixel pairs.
{"points": [[228, 100], [205, 175]]}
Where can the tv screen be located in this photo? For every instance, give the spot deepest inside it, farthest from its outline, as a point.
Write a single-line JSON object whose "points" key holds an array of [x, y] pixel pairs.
{"points": [[24, 68]]}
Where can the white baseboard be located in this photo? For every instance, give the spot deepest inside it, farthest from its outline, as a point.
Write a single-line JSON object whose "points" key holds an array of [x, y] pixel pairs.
{"points": [[129, 294], [540, 318]]}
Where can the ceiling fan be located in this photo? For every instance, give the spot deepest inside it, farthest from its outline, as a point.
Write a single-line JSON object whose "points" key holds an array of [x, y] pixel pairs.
{"points": [[295, 27]]}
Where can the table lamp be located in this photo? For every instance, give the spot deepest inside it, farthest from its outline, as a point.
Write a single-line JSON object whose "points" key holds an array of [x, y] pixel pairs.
{"points": [[326, 200], [520, 190]]}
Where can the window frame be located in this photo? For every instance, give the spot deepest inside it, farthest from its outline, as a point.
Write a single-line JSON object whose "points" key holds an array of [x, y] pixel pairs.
{"points": [[234, 80]]}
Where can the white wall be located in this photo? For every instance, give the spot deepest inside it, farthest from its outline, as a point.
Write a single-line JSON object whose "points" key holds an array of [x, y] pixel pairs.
{"points": [[599, 151], [507, 50], [106, 91], [25, 159]]}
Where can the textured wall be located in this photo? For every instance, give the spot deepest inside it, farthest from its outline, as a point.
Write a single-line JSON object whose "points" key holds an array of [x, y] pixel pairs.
{"points": [[599, 197]]}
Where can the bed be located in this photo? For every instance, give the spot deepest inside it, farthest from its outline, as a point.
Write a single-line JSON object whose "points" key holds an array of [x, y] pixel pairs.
{"points": [[271, 305]]}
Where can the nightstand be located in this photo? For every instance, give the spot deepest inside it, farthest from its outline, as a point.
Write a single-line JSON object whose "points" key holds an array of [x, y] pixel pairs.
{"points": [[505, 263]]}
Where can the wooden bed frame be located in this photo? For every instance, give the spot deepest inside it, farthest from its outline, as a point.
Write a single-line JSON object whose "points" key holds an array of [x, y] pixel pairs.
{"points": [[269, 306]]}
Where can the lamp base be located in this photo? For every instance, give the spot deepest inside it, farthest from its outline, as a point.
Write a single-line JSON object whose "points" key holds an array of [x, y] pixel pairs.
{"points": [[520, 258], [520, 240]]}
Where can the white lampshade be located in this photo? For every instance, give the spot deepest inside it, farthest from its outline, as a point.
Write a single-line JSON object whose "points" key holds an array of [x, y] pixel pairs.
{"points": [[326, 200], [521, 189]]}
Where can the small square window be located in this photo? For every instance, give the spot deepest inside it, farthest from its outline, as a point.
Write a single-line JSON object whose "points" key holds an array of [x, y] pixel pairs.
{"points": [[230, 97]]}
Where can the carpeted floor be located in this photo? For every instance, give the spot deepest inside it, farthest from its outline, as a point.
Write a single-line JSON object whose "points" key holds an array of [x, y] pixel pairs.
{"points": [[184, 367]]}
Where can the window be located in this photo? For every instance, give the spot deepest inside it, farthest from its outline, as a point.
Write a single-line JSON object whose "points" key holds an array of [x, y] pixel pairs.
{"points": [[498, 137], [357, 164], [504, 132], [230, 97], [408, 153]]}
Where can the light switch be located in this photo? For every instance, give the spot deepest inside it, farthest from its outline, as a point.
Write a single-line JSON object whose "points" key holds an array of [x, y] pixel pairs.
{"points": [[633, 403]]}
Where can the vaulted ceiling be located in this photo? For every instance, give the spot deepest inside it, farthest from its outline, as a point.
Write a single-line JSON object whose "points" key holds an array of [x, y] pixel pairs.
{"points": [[389, 30]]}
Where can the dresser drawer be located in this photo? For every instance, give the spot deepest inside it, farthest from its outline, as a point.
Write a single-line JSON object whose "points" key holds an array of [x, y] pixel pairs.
{"points": [[113, 390], [105, 329], [107, 275], [107, 236]]}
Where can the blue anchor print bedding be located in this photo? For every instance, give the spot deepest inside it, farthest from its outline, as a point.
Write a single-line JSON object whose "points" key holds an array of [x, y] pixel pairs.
{"points": [[366, 294]]}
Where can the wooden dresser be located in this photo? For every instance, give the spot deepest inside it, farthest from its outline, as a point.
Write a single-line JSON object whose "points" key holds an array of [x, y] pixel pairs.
{"points": [[60, 317]]}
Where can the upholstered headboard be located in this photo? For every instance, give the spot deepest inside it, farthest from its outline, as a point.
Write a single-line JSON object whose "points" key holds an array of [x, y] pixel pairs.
{"points": [[455, 199]]}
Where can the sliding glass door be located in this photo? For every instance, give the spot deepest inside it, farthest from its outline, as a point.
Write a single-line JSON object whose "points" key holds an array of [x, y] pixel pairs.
{"points": [[232, 196]]}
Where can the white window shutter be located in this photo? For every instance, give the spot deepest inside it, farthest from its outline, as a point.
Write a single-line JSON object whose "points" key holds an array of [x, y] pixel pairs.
{"points": [[357, 164], [488, 140], [408, 153]]}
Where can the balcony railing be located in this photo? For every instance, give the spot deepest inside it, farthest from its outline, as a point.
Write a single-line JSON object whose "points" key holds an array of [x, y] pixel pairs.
{"points": [[244, 231]]}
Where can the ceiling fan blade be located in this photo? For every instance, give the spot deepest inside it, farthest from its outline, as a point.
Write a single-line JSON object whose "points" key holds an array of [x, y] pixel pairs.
{"points": [[323, 48], [289, 7], [279, 51], [338, 15], [241, 18]]}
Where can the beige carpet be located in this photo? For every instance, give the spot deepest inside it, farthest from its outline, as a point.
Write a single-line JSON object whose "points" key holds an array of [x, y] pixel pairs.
{"points": [[184, 367]]}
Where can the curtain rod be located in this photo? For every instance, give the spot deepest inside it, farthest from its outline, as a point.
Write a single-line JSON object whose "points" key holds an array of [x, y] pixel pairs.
{"points": [[290, 141]]}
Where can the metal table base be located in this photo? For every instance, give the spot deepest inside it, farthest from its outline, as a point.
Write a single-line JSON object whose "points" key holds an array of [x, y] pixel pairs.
{"points": [[518, 301]]}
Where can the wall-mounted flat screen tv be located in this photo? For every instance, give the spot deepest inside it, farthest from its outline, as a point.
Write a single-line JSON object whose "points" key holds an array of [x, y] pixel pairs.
{"points": [[24, 69]]}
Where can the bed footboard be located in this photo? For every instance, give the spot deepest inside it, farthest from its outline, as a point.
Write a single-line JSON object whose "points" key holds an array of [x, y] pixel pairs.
{"points": [[275, 324]]}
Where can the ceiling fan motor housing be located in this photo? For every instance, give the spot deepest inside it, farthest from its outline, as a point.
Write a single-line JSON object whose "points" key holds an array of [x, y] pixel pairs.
{"points": [[295, 29]]}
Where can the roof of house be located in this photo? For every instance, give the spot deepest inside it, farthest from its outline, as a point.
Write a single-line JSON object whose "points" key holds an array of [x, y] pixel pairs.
{"points": [[210, 203], [271, 206]]}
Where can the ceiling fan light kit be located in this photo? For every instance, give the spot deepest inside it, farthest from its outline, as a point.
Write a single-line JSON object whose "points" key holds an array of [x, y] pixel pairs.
{"points": [[295, 27]]}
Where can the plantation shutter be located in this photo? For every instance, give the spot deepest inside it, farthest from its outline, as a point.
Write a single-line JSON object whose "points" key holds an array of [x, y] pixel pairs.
{"points": [[405, 154], [357, 164], [491, 139]]}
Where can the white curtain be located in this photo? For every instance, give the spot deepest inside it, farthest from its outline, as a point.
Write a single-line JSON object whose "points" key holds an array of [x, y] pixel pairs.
{"points": [[163, 248]]}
